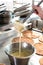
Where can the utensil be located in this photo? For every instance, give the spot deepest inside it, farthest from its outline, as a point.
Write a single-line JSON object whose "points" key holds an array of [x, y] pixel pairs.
{"points": [[22, 8], [32, 12], [25, 12], [19, 60]]}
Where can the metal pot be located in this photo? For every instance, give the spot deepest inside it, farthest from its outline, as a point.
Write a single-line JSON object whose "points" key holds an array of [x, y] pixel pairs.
{"points": [[5, 17], [19, 60]]}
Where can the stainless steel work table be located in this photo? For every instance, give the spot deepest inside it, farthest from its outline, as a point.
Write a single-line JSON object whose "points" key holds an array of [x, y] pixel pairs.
{"points": [[3, 57], [5, 41]]}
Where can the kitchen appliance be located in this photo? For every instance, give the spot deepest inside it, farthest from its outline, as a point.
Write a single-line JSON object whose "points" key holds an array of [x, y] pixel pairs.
{"points": [[24, 7]]}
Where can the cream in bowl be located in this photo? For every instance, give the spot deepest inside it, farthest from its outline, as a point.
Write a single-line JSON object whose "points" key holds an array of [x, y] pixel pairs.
{"points": [[19, 57]]}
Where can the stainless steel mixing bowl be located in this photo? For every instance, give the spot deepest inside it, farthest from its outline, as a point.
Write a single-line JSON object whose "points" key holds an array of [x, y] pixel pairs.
{"points": [[18, 60]]}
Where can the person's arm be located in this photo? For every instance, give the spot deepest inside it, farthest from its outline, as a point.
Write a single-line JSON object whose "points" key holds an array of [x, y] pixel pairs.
{"points": [[38, 11]]}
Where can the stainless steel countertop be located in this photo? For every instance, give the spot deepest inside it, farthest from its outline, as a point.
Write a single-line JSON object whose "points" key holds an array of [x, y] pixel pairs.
{"points": [[3, 57]]}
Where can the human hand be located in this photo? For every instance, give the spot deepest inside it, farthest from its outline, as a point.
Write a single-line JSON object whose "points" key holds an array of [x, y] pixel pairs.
{"points": [[38, 11]]}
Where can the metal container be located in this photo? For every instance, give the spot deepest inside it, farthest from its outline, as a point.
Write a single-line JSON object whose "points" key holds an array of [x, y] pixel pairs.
{"points": [[19, 60], [5, 17], [37, 24]]}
